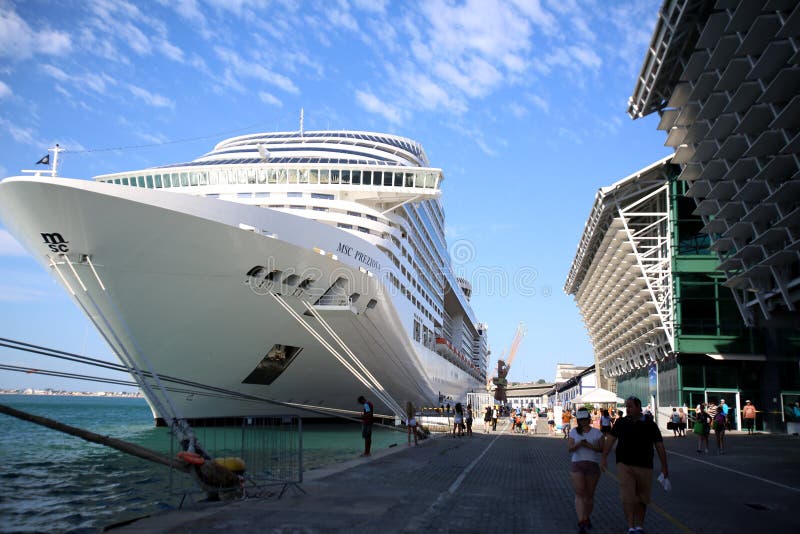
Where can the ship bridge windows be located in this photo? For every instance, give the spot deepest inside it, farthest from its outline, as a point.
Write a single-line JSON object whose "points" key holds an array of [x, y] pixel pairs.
{"points": [[277, 175]]}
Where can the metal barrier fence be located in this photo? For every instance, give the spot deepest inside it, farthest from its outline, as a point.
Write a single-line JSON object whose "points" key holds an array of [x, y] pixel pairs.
{"points": [[271, 448]]}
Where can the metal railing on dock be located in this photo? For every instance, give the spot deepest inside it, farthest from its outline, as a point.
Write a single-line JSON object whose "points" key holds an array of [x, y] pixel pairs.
{"points": [[270, 448]]}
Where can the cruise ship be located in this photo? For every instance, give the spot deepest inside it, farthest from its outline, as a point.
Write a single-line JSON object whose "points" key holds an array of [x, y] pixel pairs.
{"points": [[280, 273]]}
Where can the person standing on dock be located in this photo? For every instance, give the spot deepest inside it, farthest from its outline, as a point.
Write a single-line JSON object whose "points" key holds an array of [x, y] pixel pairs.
{"points": [[637, 435], [494, 418], [411, 423], [585, 444], [469, 420], [487, 419], [367, 418]]}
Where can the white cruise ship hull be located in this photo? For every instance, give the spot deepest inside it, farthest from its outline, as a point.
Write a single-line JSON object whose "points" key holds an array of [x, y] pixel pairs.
{"points": [[171, 293]]}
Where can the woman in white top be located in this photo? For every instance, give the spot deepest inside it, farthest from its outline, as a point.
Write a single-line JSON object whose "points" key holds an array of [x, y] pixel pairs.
{"points": [[586, 446], [411, 422]]}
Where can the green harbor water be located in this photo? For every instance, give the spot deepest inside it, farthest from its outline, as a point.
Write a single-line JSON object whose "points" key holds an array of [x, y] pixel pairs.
{"points": [[53, 482]]}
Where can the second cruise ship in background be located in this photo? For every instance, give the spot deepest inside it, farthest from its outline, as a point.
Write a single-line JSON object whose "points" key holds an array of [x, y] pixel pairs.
{"points": [[301, 267]]}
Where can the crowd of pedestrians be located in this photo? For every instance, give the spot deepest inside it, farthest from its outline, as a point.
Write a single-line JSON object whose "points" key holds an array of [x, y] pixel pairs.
{"points": [[592, 436]]}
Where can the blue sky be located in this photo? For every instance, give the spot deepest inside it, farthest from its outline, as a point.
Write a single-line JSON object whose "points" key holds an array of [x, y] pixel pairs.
{"points": [[521, 103]]}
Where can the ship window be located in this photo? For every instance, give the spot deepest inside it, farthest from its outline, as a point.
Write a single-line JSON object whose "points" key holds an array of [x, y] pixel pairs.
{"points": [[158, 181], [124, 181], [213, 195], [213, 178], [140, 181], [409, 179], [334, 176], [184, 179], [322, 196], [371, 217], [366, 177], [243, 195], [203, 177], [292, 176], [345, 226], [262, 194], [419, 180], [251, 176], [276, 361], [149, 182], [175, 180], [324, 176], [241, 176], [294, 194], [192, 178], [354, 213], [302, 176], [297, 207], [313, 176], [281, 176], [362, 229], [387, 178], [262, 176], [317, 208], [398, 179], [430, 179], [356, 177]]}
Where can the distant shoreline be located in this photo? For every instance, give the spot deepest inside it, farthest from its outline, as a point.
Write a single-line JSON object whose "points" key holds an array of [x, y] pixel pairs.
{"points": [[51, 393]]}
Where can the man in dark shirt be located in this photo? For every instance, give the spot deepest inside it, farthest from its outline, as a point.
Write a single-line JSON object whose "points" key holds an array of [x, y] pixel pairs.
{"points": [[367, 418], [637, 436]]}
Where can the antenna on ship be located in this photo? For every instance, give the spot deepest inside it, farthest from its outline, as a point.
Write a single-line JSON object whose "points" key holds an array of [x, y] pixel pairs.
{"points": [[46, 160], [301, 122]]}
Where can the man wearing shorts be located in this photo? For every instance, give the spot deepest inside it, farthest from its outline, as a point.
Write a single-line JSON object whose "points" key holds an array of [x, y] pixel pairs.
{"points": [[636, 436]]}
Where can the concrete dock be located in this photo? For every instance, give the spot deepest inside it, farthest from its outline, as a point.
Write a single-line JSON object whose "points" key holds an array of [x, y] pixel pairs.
{"points": [[504, 482]]}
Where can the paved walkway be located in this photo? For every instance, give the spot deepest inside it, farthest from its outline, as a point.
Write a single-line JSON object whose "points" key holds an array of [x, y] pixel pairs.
{"points": [[505, 482]]}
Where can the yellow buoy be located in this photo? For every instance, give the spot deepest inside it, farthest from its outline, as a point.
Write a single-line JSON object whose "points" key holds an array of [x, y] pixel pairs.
{"points": [[232, 463]]}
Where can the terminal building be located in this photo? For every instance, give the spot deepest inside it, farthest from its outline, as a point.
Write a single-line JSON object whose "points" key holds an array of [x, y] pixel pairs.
{"points": [[688, 272]]}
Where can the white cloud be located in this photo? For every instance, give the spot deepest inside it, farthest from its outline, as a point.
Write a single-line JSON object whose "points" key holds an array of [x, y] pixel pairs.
{"points": [[269, 99], [151, 99], [539, 102], [171, 51], [517, 110], [5, 90], [11, 293], [97, 82], [10, 246], [20, 41], [586, 57], [374, 6], [20, 134], [373, 104], [253, 70]]}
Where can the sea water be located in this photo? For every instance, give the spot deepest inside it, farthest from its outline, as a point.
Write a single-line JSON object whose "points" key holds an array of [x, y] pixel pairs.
{"points": [[50, 481]]}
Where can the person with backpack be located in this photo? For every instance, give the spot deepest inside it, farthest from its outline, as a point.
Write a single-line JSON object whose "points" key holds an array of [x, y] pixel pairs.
{"points": [[675, 423], [702, 428]]}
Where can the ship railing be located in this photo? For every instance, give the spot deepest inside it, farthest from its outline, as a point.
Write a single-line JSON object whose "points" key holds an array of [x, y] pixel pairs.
{"points": [[270, 448]]}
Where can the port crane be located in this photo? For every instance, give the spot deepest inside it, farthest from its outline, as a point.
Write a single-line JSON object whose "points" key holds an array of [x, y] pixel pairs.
{"points": [[503, 366]]}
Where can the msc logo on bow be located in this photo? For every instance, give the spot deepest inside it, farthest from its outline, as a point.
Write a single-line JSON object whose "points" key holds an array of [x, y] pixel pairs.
{"points": [[56, 242]]}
